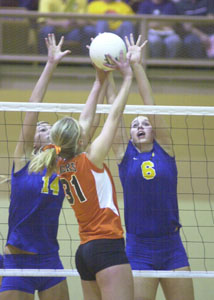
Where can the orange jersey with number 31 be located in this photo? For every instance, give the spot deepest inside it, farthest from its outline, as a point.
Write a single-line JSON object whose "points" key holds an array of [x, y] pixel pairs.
{"points": [[91, 193]]}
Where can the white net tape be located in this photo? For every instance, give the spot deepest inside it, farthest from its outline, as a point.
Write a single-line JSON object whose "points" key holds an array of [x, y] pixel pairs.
{"points": [[73, 272], [104, 108]]}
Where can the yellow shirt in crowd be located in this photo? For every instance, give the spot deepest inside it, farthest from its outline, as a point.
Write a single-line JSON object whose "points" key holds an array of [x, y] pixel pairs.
{"points": [[74, 6], [101, 7]]}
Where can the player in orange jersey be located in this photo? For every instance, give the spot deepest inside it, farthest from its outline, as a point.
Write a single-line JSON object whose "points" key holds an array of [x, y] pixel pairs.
{"points": [[100, 259]]}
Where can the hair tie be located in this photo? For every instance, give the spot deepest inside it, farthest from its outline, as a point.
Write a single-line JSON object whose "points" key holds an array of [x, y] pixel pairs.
{"points": [[51, 146], [58, 149]]}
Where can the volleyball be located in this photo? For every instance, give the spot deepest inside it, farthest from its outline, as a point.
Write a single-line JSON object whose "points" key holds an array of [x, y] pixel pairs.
{"points": [[103, 44]]}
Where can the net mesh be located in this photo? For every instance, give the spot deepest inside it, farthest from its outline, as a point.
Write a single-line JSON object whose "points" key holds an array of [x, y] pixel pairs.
{"points": [[192, 130]]}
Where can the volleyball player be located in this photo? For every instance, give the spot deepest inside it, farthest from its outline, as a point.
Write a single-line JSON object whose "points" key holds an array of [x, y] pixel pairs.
{"points": [[148, 173], [36, 201], [100, 259], [35, 205]]}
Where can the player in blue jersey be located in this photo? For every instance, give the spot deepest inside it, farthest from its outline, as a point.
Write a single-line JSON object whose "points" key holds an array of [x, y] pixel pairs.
{"points": [[148, 173], [35, 205], [36, 199]]}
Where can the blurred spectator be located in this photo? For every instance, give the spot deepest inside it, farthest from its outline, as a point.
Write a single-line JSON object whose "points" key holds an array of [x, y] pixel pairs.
{"points": [[18, 32], [198, 40], [163, 40], [121, 28], [9, 3], [73, 30], [134, 4], [29, 4], [33, 28]]}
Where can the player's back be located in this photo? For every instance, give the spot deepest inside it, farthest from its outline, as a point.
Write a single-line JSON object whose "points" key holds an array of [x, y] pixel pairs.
{"points": [[91, 193]]}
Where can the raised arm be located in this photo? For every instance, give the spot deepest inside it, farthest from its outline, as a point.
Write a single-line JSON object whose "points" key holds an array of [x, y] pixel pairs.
{"points": [[25, 143], [121, 137], [162, 134], [97, 116], [88, 119], [100, 147]]}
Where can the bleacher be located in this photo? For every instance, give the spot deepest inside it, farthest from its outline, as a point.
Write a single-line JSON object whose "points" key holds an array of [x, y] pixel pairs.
{"points": [[19, 40]]}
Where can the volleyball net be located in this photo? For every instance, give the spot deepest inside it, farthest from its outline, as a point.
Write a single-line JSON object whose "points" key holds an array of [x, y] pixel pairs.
{"points": [[192, 130]]}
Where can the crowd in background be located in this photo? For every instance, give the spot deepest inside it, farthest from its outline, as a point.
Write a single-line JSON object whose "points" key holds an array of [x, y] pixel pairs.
{"points": [[166, 39]]}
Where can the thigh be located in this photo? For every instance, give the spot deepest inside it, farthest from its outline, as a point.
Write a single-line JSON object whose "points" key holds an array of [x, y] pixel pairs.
{"points": [[98, 255], [17, 284], [145, 288], [173, 254], [16, 295], [165, 253], [91, 290], [51, 285], [139, 254], [178, 288], [116, 282], [58, 291], [20, 284]]}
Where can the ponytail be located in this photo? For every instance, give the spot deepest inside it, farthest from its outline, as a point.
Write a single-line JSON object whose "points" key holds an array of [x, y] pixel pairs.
{"points": [[65, 134], [46, 159]]}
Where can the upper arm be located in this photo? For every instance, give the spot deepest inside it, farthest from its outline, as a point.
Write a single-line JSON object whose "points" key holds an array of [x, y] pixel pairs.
{"points": [[121, 138], [112, 134], [100, 147], [120, 141], [162, 133], [24, 146]]}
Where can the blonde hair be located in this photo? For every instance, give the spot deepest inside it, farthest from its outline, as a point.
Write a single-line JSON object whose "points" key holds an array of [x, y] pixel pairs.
{"points": [[65, 134]]}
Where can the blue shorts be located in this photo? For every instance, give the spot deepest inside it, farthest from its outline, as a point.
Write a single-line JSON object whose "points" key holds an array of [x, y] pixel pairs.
{"points": [[25, 261], [1, 262], [98, 255], [161, 253]]}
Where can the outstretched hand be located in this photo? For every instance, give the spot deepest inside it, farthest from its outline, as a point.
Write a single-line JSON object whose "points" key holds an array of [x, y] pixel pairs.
{"points": [[54, 50], [122, 64], [135, 51]]}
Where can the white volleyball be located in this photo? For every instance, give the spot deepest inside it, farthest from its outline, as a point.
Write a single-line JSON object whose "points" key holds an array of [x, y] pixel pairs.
{"points": [[103, 44]]}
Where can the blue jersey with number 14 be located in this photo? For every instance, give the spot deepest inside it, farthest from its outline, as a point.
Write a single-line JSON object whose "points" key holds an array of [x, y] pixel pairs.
{"points": [[149, 181], [34, 211]]}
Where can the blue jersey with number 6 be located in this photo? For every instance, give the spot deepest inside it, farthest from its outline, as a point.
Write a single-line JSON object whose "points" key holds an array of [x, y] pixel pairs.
{"points": [[34, 211], [149, 181]]}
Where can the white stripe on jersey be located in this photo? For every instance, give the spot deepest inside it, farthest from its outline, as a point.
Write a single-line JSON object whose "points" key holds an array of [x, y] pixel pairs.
{"points": [[104, 191]]}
